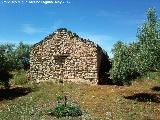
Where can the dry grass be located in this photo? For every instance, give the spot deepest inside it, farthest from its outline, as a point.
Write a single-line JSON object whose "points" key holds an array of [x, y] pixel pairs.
{"points": [[109, 102], [136, 102]]}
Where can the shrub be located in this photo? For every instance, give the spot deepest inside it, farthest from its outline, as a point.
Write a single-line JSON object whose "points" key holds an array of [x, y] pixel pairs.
{"points": [[69, 110], [4, 68], [124, 63], [5, 76], [19, 77], [65, 109]]}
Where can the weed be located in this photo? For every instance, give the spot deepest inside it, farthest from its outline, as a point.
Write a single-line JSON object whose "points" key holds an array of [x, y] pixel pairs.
{"points": [[19, 78], [65, 108]]}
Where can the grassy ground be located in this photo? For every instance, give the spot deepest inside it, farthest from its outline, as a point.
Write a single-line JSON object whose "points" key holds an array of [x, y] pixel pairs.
{"points": [[26, 101]]}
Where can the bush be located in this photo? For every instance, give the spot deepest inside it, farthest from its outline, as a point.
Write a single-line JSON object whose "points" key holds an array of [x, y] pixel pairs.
{"points": [[124, 63], [19, 77], [4, 68], [65, 109], [5, 76], [69, 110]]}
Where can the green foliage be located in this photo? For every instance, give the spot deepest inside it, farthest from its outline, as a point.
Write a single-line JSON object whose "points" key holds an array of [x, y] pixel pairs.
{"points": [[19, 77], [133, 60], [124, 63], [22, 55], [12, 58], [5, 76], [65, 109], [6, 56], [68, 110], [5, 62], [152, 76], [149, 39], [59, 98]]}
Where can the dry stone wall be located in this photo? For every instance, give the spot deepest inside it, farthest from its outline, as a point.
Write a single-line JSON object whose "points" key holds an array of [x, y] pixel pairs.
{"points": [[64, 55]]}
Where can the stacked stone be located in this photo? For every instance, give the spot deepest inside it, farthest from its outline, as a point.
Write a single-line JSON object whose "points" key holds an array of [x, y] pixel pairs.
{"points": [[64, 55]]}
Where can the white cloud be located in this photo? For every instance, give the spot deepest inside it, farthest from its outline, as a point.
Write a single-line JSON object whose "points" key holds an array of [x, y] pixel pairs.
{"points": [[30, 29]]}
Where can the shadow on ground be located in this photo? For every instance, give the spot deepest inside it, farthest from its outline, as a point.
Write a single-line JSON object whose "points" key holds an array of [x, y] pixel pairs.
{"points": [[145, 97], [12, 93], [156, 88]]}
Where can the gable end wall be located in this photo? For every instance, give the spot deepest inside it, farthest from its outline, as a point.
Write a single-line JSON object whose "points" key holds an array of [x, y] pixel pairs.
{"points": [[64, 56]]}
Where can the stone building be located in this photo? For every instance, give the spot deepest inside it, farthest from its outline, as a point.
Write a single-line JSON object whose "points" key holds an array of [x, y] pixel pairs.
{"points": [[64, 55]]}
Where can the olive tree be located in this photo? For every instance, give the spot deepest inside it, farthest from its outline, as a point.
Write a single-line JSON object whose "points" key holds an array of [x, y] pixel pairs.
{"points": [[135, 59], [149, 39]]}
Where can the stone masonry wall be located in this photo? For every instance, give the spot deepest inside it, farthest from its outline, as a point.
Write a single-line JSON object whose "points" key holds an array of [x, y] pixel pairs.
{"points": [[64, 55]]}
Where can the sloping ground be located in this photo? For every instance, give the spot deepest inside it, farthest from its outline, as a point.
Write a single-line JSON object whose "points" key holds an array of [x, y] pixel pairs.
{"points": [[137, 102], [141, 101]]}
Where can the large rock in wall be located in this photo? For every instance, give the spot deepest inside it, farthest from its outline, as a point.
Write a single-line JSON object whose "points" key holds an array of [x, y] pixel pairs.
{"points": [[64, 55]]}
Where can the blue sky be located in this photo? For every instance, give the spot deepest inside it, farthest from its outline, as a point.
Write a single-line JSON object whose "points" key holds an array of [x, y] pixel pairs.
{"points": [[102, 21]]}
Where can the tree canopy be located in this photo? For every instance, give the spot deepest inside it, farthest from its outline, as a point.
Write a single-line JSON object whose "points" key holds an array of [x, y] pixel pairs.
{"points": [[13, 58], [133, 60]]}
